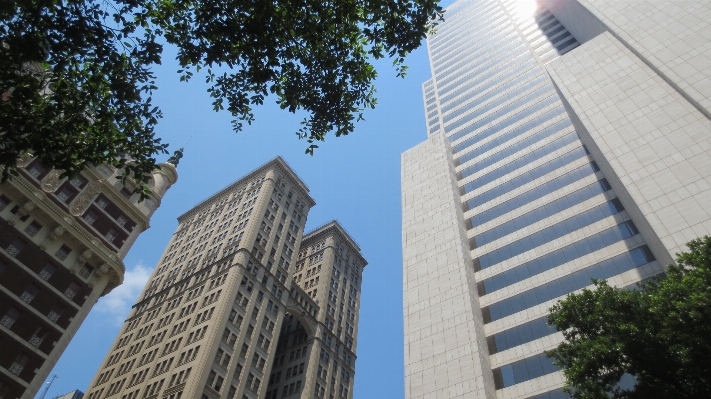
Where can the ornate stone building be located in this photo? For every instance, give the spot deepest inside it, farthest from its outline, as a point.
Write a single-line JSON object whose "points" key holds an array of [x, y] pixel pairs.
{"points": [[61, 248], [234, 306], [317, 354]]}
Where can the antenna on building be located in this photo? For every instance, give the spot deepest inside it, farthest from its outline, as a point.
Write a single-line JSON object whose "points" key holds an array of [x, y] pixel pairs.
{"points": [[49, 384], [177, 155]]}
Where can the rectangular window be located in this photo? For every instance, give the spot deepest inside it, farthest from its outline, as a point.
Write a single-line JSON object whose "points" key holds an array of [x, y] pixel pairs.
{"points": [[523, 370], [47, 271], [63, 252], [15, 247], [33, 228]]}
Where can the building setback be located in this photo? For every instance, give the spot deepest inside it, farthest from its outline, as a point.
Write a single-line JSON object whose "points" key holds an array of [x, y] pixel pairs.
{"points": [[61, 248], [328, 271], [240, 305], [567, 140]]}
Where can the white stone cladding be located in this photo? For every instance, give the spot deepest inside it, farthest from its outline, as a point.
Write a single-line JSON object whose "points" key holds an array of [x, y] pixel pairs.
{"points": [[546, 133], [445, 349], [654, 141], [672, 36]]}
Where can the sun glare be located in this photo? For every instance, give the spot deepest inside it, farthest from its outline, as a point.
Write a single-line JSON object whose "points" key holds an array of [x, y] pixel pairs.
{"points": [[526, 8]]}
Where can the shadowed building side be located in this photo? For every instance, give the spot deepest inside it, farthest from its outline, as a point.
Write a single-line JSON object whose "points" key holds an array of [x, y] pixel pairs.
{"points": [[62, 242]]}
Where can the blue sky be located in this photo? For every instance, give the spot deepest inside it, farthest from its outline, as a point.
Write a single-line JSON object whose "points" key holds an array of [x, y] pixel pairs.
{"points": [[355, 179]]}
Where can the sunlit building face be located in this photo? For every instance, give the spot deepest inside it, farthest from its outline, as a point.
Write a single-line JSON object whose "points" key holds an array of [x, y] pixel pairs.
{"points": [[530, 185]]}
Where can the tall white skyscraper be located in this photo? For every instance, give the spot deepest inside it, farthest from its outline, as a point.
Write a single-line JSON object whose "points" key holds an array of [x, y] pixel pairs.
{"points": [[567, 140]]}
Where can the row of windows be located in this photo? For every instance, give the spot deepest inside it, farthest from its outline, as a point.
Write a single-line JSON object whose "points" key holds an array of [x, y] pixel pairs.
{"points": [[545, 211], [502, 125], [455, 49], [474, 59], [527, 142], [533, 194], [567, 284], [457, 43], [521, 73], [530, 25], [551, 233], [559, 47], [455, 21], [519, 335], [518, 101], [523, 370], [477, 109], [486, 63], [540, 19], [550, 27], [528, 158], [485, 25], [480, 69], [524, 106], [543, 23], [558, 257], [549, 39], [543, 42], [482, 65], [528, 177]]}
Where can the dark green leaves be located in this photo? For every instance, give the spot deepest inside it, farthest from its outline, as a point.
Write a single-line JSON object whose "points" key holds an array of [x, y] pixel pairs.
{"points": [[76, 82], [78, 86], [660, 334], [313, 55]]}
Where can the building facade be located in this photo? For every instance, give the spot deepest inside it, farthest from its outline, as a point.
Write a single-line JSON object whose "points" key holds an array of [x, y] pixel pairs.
{"points": [[328, 270], [61, 248], [238, 308], [76, 394], [567, 140]]}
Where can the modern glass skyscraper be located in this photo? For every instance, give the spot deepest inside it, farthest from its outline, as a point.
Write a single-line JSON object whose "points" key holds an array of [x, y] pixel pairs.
{"points": [[562, 146]]}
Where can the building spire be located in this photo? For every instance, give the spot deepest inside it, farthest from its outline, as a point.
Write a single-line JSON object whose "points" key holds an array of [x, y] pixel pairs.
{"points": [[175, 159], [178, 154]]}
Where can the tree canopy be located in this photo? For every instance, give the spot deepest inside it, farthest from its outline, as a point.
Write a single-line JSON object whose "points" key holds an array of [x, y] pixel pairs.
{"points": [[660, 334], [76, 79]]}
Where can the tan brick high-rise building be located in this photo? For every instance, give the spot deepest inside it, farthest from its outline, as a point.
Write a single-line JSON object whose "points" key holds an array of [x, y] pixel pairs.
{"points": [[221, 312], [317, 353], [61, 247]]}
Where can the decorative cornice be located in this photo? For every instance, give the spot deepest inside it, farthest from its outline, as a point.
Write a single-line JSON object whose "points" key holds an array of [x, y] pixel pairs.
{"points": [[79, 205], [333, 228], [52, 181], [276, 163], [67, 223]]}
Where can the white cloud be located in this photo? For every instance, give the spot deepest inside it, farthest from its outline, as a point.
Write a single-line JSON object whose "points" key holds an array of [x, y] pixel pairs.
{"points": [[118, 303]]}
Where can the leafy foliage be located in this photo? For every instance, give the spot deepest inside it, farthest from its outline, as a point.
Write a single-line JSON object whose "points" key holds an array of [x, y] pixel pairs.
{"points": [[75, 90], [659, 334], [76, 80]]}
